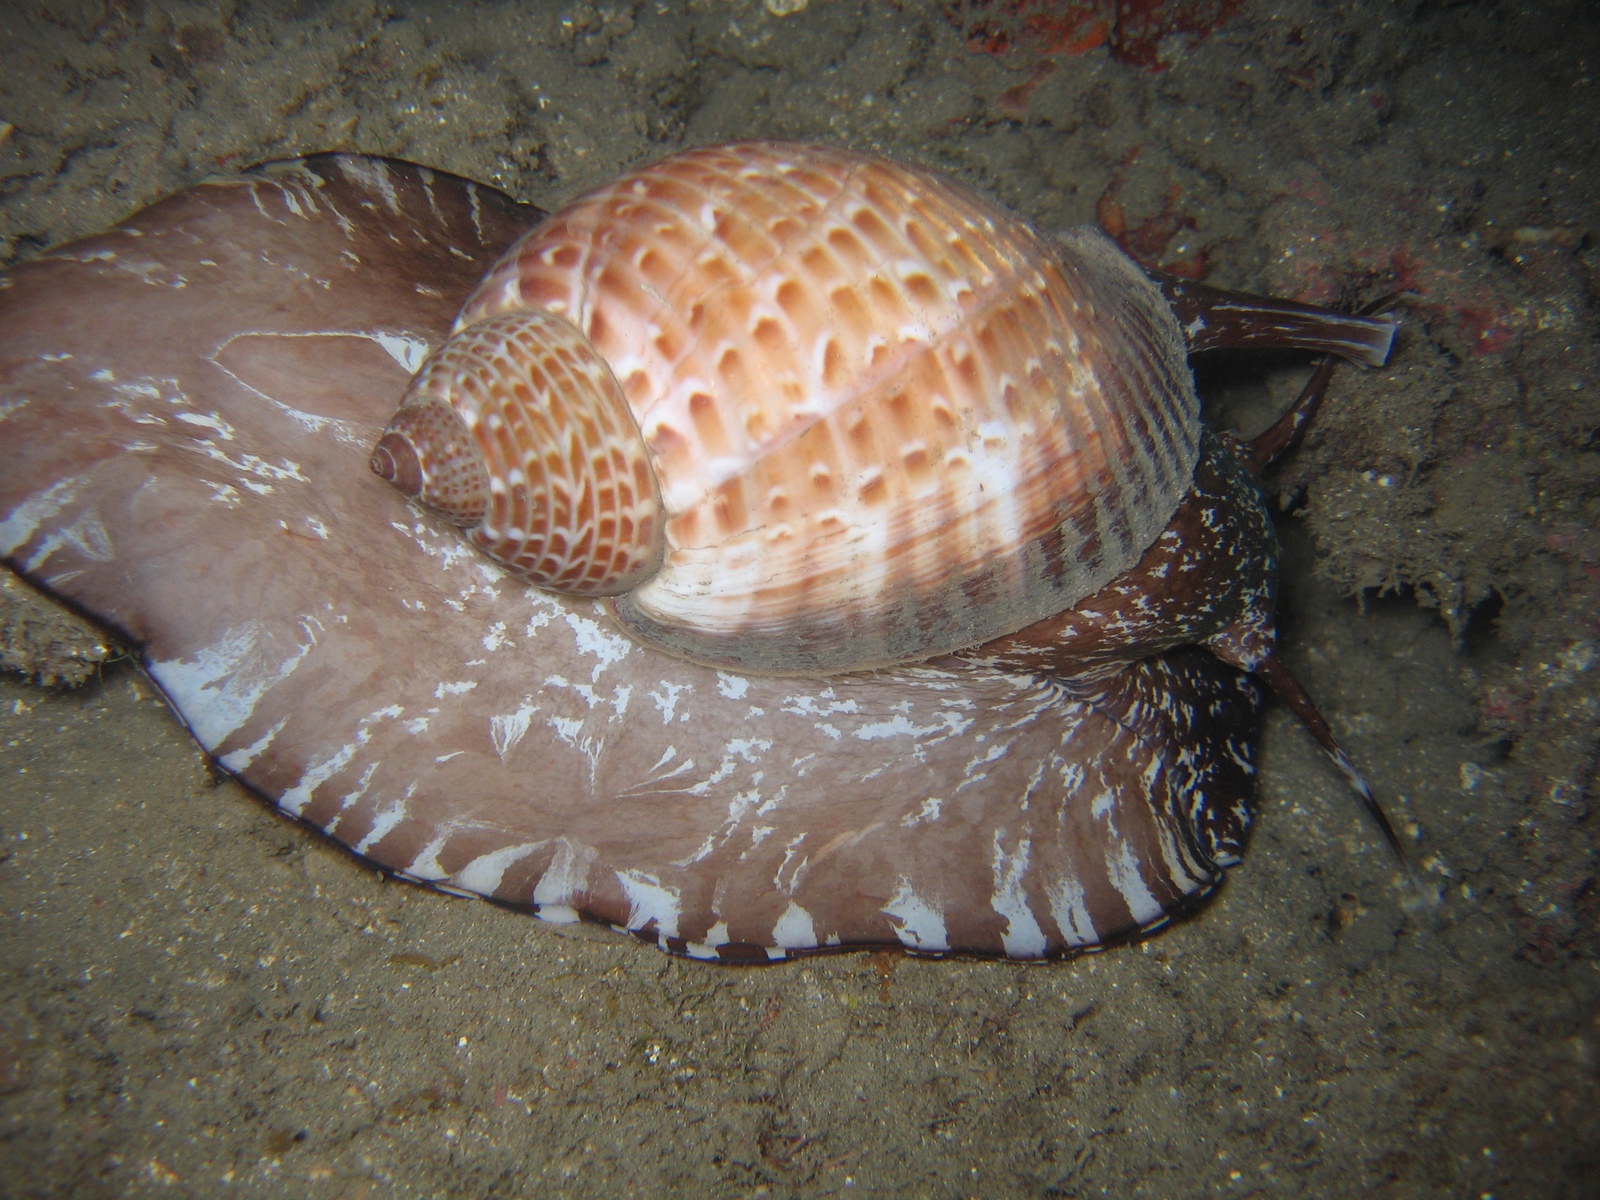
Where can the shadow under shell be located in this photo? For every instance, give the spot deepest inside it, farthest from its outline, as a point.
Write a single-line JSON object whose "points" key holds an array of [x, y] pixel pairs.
{"points": [[187, 404]]}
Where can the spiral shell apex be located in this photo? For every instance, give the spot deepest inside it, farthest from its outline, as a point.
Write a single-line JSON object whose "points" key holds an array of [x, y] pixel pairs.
{"points": [[516, 430], [884, 419]]}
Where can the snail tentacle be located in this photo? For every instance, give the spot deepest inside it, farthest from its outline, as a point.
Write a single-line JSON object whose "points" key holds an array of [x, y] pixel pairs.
{"points": [[1270, 668]]}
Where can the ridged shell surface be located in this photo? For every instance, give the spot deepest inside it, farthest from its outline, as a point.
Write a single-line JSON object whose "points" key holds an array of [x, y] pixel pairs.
{"points": [[887, 419]]}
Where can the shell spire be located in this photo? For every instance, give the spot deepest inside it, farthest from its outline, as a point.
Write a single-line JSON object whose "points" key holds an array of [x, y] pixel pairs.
{"points": [[516, 430]]}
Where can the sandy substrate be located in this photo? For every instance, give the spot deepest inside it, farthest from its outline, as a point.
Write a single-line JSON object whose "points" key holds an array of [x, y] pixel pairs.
{"points": [[199, 998]]}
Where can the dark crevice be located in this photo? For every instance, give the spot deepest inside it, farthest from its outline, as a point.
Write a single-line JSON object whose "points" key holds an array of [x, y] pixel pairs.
{"points": [[1480, 632]]}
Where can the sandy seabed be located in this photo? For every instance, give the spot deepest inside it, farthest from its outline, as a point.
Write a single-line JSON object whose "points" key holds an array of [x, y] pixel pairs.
{"points": [[198, 997]]}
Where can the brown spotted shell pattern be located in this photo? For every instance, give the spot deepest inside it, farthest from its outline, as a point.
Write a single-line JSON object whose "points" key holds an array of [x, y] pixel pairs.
{"points": [[802, 410]]}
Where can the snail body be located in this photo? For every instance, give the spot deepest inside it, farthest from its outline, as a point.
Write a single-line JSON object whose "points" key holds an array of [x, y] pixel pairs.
{"points": [[187, 463], [801, 411]]}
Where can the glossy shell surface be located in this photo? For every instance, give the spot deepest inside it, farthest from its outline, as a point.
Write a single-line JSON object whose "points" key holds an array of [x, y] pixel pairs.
{"points": [[887, 419]]}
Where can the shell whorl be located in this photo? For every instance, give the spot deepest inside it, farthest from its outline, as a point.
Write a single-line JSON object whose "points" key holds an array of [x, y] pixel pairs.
{"points": [[887, 420], [516, 430]]}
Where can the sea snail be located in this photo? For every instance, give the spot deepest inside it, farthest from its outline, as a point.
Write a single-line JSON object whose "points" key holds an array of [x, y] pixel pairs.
{"points": [[799, 410], [177, 461]]}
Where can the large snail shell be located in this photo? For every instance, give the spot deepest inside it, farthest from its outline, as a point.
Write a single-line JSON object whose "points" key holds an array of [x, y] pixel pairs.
{"points": [[886, 420]]}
